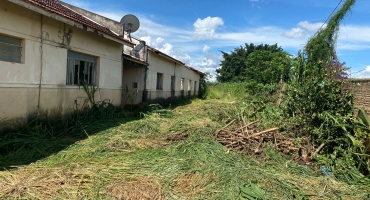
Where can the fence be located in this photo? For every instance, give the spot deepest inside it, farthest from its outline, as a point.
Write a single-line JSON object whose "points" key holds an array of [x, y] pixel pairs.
{"points": [[360, 89]]}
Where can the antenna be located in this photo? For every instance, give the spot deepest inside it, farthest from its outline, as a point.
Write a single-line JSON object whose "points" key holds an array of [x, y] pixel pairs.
{"points": [[130, 24]]}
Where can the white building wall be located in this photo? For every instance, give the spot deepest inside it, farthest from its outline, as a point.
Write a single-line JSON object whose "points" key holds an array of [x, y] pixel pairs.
{"points": [[19, 82], [168, 67]]}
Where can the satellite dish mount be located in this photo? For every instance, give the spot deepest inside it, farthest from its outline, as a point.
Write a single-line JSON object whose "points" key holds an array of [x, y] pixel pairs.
{"points": [[130, 24]]}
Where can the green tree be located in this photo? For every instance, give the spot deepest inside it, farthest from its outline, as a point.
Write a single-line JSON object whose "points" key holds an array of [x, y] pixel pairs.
{"points": [[246, 63], [268, 67]]}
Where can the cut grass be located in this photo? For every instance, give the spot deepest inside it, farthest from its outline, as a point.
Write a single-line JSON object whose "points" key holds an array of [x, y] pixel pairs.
{"points": [[168, 158]]}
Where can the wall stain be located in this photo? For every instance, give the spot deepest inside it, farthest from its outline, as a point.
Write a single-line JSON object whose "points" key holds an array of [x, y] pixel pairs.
{"points": [[65, 36]]}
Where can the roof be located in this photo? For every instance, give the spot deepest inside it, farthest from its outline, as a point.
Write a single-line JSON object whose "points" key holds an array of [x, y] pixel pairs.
{"points": [[191, 68], [172, 58], [57, 8], [165, 55]]}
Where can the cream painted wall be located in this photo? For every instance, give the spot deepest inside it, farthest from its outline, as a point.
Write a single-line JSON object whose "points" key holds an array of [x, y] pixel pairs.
{"points": [[19, 82], [133, 73], [161, 64]]}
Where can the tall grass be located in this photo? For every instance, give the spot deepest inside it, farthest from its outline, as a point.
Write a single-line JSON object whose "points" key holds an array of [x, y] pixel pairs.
{"points": [[227, 90], [242, 91]]}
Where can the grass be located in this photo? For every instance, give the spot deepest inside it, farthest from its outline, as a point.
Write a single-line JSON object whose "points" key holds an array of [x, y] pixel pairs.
{"points": [[169, 158]]}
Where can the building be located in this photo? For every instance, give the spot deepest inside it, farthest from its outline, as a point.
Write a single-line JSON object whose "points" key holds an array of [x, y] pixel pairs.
{"points": [[47, 46], [162, 78]]}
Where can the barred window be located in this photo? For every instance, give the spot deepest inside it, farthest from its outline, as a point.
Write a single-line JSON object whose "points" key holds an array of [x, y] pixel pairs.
{"points": [[159, 81], [81, 67], [10, 49], [189, 85]]}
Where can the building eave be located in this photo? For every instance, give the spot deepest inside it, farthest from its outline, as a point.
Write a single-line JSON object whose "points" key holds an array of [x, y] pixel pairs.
{"points": [[46, 11]]}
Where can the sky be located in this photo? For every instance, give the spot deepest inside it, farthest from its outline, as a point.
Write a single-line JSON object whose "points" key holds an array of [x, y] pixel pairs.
{"points": [[197, 31]]}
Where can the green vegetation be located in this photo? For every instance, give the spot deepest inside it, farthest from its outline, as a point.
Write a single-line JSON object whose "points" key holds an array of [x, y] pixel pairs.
{"points": [[264, 64], [318, 149], [319, 106], [170, 158]]}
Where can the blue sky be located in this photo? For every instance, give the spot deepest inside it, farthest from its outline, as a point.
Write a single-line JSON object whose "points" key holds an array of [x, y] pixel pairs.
{"points": [[196, 32]]}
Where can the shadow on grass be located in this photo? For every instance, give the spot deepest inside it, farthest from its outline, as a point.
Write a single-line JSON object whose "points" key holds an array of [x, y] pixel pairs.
{"points": [[42, 137], [22, 145]]}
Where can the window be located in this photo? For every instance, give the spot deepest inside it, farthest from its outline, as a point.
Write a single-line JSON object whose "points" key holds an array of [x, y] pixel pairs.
{"points": [[173, 81], [10, 49], [189, 85], [182, 83], [195, 87], [81, 67], [135, 85], [159, 81]]}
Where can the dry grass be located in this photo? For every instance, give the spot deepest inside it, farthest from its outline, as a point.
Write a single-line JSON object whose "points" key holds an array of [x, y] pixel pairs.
{"points": [[177, 158], [193, 184], [142, 188], [39, 182]]}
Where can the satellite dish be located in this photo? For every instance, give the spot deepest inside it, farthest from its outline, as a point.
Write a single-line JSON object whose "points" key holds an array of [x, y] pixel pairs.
{"points": [[130, 24]]}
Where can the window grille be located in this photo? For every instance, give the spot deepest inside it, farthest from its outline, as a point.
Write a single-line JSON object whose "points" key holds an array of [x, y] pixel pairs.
{"points": [[81, 67], [10, 49]]}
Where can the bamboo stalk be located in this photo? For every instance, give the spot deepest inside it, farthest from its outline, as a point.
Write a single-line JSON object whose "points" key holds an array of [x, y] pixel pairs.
{"points": [[262, 132]]}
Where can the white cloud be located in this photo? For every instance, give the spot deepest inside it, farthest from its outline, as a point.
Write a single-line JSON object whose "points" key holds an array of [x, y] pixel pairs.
{"points": [[207, 63], [365, 73], [183, 57], [147, 39], [185, 43], [166, 48], [206, 48], [205, 28], [312, 27], [159, 41], [294, 33]]}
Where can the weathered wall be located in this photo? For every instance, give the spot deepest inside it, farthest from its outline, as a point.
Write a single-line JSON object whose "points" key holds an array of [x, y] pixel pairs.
{"points": [[19, 82], [132, 73], [161, 64], [360, 89], [111, 24]]}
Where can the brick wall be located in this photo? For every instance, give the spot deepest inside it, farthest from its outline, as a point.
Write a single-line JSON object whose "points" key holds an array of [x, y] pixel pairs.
{"points": [[360, 89]]}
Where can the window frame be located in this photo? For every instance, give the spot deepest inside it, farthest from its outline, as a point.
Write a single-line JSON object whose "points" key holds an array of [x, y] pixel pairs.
{"points": [[14, 44], [75, 59], [159, 85], [182, 82], [189, 85]]}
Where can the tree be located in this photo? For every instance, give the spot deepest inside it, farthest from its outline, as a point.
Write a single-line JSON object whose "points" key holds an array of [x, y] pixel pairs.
{"points": [[268, 67], [247, 64]]}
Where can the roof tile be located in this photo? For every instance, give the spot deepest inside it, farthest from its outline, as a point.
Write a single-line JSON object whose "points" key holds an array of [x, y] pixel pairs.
{"points": [[55, 7]]}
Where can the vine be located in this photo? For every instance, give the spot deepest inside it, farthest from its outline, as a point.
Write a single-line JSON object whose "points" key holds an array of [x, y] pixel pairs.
{"points": [[316, 101]]}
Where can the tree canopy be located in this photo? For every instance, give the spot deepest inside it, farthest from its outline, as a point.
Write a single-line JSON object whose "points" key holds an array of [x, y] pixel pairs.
{"points": [[259, 63]]}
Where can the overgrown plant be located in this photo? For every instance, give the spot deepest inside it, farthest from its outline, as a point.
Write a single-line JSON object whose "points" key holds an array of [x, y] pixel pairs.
{"points": [[203, 86], [316, 100], [90, 91], [129, 97]]}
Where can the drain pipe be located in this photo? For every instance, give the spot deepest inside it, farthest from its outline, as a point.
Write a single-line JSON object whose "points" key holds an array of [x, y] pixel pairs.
{"points": [[41, 64], [145, 92]]}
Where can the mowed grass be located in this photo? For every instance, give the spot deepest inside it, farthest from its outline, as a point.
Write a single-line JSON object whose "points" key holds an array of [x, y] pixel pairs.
{"points": [[169, 158]]}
